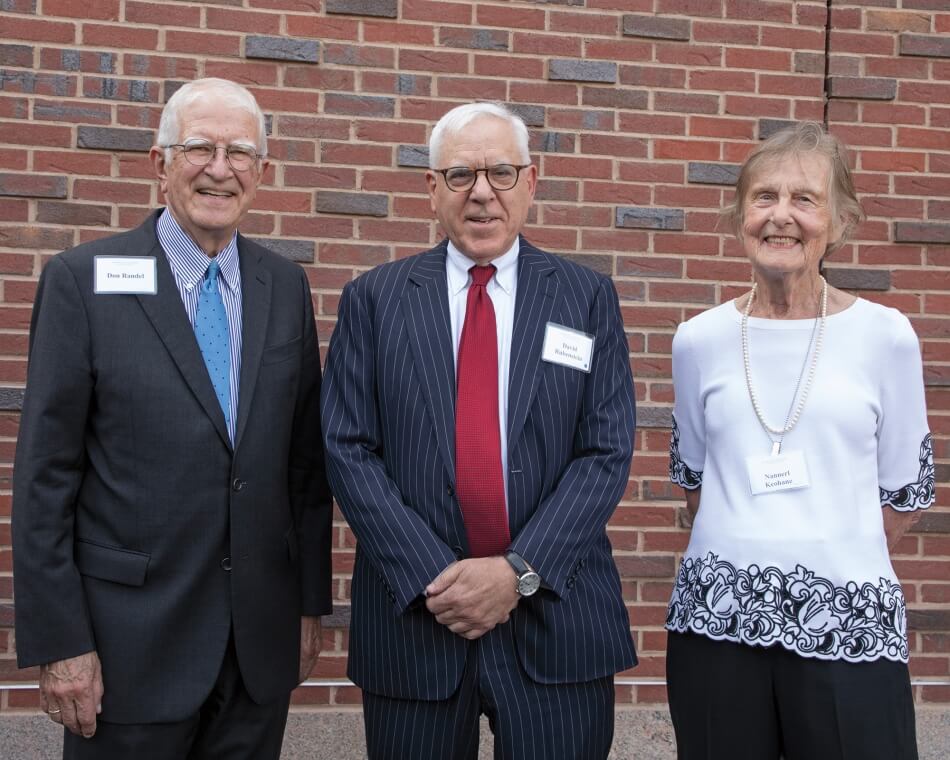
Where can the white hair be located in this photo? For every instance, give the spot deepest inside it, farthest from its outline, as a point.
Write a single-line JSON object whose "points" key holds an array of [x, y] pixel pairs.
{"points": [[231, 93], [461, 116]]}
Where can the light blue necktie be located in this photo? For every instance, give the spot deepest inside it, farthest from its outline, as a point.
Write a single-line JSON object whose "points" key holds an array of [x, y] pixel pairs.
{"points": [[211, 330]]}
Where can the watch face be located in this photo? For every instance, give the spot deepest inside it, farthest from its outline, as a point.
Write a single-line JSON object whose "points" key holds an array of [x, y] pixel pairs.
{"points": [[529, 583]]}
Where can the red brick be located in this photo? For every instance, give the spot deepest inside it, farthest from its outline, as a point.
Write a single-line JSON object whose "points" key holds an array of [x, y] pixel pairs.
{"points": [[38, 134], [695, 150], [445, 12], [323, 27], [509, 18], [794, 39], [125, 36], [653, 76], [101, 10], [615, 192], [432, 61], [652, 124], [363, 155], [711, 126], [722, 81], [565, 46], [543, 92], [564, 166], [617, 146], [397, 32], [759, 107], [903, 68], [471, 88], [757, 59], [583, 23], [30, 30], [863, 42], [202, 43], [681, 54], [166, 67], [619, 50], [235, 20], [509, 66], [893, 161], [162, 15]]}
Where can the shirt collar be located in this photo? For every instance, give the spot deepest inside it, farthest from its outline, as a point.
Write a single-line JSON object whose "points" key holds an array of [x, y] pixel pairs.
{"points": [[188, 262], [457, 265]]}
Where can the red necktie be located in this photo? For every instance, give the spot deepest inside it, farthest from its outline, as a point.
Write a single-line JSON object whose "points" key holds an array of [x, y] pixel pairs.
{"points": [[478, 479]]}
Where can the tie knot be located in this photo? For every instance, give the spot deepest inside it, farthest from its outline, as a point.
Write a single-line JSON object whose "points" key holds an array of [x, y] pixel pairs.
{"points": [[481, 275], [213, 269]]}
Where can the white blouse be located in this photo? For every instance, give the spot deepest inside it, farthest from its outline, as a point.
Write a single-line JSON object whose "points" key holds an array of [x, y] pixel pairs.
{"points": [[806, 568]]}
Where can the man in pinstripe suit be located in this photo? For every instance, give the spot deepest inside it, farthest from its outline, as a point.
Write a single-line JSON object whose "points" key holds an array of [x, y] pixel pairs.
{"points": [[479, 474]]}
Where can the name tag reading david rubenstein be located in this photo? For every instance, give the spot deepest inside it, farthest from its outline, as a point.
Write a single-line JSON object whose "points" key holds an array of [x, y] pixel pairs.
{"points": [[125, 275], [568, 347]]}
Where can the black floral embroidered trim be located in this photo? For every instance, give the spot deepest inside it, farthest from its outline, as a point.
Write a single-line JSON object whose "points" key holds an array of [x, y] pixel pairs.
{"points": [[680, 473], [801, 611], [917, 495]]}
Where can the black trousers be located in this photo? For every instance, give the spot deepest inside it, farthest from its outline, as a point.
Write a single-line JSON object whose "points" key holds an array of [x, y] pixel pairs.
{"points": [[530, 721], [228, 726], [738, 702]]}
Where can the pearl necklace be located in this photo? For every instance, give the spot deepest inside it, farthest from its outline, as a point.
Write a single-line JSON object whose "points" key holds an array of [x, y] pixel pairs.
{"points": [[793, 417]]}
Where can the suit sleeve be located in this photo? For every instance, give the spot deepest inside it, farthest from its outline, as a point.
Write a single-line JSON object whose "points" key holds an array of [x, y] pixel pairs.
{"points": [[560, 534], [52, 621], [401, 546], [311, 501]]}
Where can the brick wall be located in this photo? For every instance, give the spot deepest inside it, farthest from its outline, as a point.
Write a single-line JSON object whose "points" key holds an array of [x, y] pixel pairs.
{"points": [[640, 112]]}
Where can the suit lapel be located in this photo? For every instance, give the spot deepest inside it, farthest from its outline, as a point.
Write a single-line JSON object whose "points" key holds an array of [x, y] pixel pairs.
{"points": [[534, 304], [426, 310], [255, 309], [167, 315]]}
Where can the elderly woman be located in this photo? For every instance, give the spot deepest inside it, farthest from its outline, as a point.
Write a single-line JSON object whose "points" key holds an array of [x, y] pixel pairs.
{"points": [[800, 437]]}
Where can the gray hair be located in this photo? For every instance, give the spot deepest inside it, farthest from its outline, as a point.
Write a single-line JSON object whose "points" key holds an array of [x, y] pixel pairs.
{"points": [[461, 116], [801, 138], [231, 93]]}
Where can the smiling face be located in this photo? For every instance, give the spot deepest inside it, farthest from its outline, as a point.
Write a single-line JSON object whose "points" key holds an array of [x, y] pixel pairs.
{"points": [[210, 201], [787, 218], [482, 222]]}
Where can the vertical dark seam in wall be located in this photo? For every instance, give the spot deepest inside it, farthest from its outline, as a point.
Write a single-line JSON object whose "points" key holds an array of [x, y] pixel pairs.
{"points": [[827, 85]]}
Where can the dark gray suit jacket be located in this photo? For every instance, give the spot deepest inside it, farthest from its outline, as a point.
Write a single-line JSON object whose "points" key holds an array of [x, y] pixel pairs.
{"points": [[389, 424], [128, 495]]}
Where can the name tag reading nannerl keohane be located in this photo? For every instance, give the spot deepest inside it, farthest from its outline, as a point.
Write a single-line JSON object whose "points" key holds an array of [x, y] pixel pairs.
{"points": [[568, 347], [783, 472], [125, 275]]}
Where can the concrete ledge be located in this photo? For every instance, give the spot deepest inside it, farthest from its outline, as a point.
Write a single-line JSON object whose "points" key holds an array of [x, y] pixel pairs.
{"points": [[641, 734]]}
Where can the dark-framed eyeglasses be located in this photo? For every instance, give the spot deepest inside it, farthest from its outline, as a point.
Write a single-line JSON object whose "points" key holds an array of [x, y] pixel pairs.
{"points": [[202, 152], [460, 179]]}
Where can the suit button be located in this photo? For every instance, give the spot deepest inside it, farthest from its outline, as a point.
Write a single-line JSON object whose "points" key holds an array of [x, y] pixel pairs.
{"points": [[226, 564], [459, 553], [449, 490], [570, 582], [238, 484]]}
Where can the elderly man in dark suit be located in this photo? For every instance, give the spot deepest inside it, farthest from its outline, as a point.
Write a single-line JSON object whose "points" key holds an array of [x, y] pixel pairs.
{"points": [[478, 418], [171, 517]]}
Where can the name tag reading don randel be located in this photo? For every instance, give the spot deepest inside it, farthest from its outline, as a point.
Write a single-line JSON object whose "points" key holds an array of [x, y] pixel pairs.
{"points": [[781, 472], [125, 275], [572, 348]]}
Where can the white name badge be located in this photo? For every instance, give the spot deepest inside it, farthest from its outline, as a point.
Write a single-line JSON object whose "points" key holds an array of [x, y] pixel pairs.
{"points": [[572, 348], [125, 274], [783, 472]]}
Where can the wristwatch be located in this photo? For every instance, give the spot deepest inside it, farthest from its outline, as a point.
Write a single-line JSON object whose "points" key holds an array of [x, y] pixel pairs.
{"points": [[528, 580]]}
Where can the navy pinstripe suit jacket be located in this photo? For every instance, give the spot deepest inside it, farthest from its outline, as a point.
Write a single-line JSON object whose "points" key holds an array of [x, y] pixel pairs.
{"points": [[388, 420]]}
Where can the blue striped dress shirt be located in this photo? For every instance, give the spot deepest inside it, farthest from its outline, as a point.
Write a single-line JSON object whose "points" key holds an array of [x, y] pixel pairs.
{"points": [[189, 265]]}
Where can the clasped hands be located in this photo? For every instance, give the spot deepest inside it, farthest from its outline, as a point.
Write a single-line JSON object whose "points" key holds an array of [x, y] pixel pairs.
{"points": [[472, 596]]}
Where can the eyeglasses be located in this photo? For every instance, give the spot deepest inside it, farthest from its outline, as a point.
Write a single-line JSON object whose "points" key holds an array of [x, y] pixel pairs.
{"points": [[500, 176], [201, 153]]}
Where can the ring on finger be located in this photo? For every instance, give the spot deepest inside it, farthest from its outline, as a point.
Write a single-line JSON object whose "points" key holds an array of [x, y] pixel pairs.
{"points": [[53, 712]]}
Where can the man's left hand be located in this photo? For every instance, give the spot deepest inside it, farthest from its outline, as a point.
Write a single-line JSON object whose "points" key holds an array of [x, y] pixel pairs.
{"points": [[311, 636], [472, 596]]}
